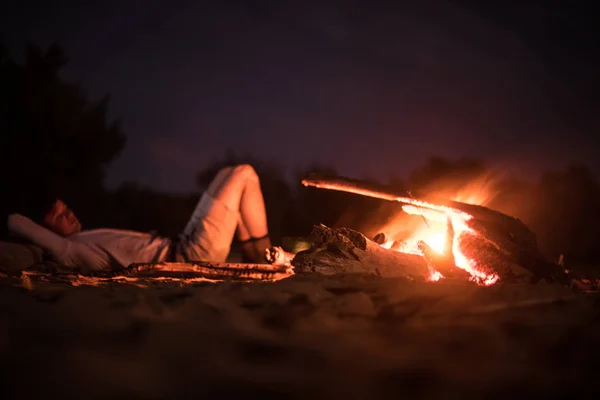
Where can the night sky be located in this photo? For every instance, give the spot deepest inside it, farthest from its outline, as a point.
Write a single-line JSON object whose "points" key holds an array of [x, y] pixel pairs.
{"points": [[370, 88]]}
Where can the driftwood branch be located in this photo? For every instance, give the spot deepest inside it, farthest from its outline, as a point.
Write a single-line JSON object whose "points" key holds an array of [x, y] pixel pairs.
{"points": [[221, 271], [144, 274]]}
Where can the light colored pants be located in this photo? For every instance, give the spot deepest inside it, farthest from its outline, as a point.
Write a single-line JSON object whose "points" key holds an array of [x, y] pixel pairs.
{"points": [[209, 232]]}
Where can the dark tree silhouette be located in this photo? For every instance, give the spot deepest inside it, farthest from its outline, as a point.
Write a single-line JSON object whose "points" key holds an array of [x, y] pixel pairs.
{"points": [[53, 137], [568, 214]]}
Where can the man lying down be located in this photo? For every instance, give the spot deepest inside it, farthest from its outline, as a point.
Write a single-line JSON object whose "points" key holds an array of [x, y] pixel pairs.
{"points": [[232, 205]]}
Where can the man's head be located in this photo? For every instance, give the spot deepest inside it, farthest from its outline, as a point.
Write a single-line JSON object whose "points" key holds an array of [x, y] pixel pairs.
{"points": [[60, 219]]}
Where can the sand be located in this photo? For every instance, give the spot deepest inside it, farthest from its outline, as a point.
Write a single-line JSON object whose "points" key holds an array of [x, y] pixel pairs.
{"points": [[317, 337]]}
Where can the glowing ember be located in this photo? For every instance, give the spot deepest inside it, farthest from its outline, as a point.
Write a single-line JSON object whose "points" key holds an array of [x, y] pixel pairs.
{"points": [[436, 241], [434, 233], [434, 275]]}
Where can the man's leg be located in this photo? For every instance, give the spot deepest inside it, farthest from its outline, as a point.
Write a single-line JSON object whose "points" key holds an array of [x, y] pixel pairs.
{"points": [[233, 203], [239, 188]]}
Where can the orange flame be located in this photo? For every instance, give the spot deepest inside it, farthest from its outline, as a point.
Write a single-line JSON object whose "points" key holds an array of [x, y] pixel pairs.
{"points": [[434, 234]]}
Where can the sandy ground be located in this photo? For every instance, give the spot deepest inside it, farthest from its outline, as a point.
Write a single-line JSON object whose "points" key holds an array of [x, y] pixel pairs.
{"points": [[349, 337]]}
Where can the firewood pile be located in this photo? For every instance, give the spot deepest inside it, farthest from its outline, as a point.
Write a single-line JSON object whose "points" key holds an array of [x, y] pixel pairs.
{"points": [[481, 244]]}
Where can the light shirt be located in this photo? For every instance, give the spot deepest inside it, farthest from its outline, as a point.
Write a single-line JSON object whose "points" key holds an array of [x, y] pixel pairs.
{"points": [[92, 250]]}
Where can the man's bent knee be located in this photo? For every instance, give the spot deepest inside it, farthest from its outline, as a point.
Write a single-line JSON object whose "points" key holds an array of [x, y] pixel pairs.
{"points": [[231, 180], [244, 172]]}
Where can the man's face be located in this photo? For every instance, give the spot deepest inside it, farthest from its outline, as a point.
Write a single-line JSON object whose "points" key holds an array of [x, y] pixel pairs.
{"points": [[62, 220]]}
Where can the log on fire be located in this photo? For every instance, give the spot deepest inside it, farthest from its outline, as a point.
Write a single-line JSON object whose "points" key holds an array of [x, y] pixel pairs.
{"points": [[497, 242], [347, 251], [344, 250], [444, 262]]}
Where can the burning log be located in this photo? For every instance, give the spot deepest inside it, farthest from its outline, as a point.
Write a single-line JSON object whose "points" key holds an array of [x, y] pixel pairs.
{"points": [[346, 251], [444, 262], [488, 243]]}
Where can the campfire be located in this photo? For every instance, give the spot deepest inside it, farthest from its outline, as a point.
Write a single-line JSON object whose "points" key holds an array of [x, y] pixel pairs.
{"points": [[456, 241], [445, 229]]}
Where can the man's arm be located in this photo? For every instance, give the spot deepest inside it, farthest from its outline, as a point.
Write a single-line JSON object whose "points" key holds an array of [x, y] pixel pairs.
{"points": [[22, 226], [65, 251]]}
